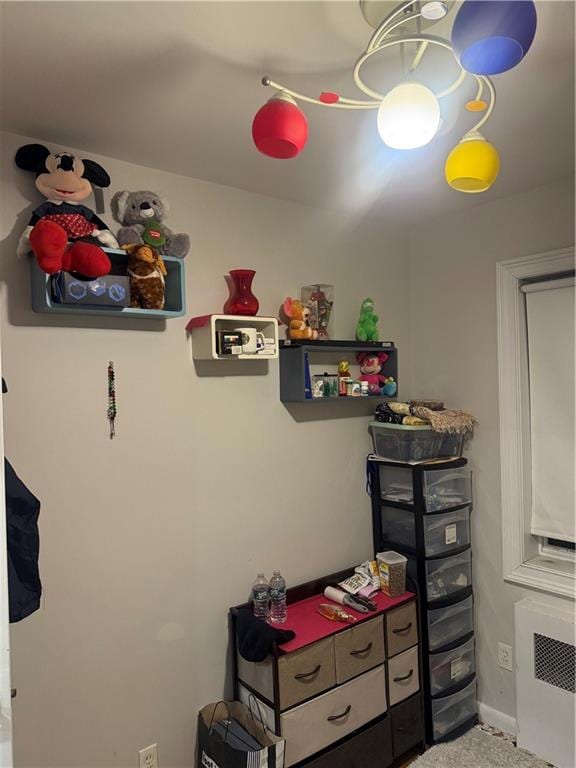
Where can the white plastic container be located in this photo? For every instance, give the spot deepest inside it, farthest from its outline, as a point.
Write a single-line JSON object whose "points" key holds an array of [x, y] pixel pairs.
{"points": [[392, 570]]}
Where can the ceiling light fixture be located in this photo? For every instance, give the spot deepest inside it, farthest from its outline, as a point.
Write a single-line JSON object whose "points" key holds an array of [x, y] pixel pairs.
{"points": [[485, 37]]}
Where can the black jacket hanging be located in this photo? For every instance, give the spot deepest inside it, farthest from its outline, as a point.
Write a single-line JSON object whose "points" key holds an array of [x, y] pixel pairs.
{"points": [[23, 544]]}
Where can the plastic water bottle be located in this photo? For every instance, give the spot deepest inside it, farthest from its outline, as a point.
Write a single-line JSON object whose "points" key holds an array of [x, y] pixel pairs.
{"points": [[261, 597], [278, 610]]}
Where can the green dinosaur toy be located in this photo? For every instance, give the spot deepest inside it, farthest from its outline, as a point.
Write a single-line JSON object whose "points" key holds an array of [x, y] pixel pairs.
{"points": [[367, 326]]}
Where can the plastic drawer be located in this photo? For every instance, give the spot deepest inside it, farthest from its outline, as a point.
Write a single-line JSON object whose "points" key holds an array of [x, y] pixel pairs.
{"points": [[449, 668], [445, 488], [451, 711], [446, 625], [443, 532], [396, 484], [448, 575]]}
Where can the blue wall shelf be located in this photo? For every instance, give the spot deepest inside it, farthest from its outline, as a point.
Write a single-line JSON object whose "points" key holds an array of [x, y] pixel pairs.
{"points": [[175, 296]]}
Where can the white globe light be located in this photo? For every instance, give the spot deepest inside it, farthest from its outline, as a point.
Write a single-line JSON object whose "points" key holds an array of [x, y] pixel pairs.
{"points": [[434, 10], [409, 116]]}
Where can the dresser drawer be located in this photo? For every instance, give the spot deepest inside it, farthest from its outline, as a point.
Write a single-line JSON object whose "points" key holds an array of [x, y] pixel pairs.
{"points": [[372, 748], [401, 629], [403, 679], [306, 672], [407, 726], [315, 725], [359, 649]]}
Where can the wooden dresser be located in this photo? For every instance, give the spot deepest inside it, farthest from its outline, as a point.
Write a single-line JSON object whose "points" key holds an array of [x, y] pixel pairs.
{"points": [[342, 695]]}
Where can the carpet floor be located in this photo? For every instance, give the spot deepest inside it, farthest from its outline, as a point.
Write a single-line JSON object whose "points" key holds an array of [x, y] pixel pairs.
{"points": [[478, 749]]}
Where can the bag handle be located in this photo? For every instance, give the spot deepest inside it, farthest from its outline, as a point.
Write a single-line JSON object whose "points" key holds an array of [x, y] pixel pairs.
{"points": [[260, 719], [211, 726]]}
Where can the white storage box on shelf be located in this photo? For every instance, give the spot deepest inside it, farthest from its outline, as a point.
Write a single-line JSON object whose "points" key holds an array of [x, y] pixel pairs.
{"points": [[447, 625], [449, 668], [204, 331], [400, 442]]}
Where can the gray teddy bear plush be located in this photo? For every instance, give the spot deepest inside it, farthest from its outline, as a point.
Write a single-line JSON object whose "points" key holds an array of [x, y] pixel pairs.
{"points": [[142, 217]]}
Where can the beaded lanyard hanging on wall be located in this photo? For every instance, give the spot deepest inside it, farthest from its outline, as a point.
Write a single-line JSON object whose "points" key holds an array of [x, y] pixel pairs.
{"points": [[111, 400]]}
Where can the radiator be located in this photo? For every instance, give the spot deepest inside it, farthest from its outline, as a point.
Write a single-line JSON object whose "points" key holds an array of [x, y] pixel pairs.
{"points": [[545, 681]]}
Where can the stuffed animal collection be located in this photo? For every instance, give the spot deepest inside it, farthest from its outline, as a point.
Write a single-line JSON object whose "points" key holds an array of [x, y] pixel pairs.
{"points": [[142, 215], [367, 326], [62, 233], [66, 236], [147, 271], [295, 315]]}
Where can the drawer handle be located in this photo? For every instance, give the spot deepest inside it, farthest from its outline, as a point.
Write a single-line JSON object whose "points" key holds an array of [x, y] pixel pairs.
{"points": [[306, 675], [404, 677], [362, 651], [401, 630], [332, 718]]}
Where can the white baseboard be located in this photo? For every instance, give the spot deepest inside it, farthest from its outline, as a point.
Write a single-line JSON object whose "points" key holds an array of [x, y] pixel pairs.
{"points": [[497, 719]]}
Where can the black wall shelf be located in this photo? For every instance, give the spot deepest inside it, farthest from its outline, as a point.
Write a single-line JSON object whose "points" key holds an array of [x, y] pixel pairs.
{"points": [[322, 356]]}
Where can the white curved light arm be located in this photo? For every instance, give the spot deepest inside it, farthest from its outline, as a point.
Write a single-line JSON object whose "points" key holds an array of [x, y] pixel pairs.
{"points": [[342, 103]]}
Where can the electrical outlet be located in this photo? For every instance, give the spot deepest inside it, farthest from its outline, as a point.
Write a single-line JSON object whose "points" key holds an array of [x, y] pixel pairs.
{"points": [[148, 757], [505, 659]]}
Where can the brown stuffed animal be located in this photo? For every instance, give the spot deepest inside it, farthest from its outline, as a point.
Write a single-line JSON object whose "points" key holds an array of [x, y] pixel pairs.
{"points": [[147, 271], [295, 315]]}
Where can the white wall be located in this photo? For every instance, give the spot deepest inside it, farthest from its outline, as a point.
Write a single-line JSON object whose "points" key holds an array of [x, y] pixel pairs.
{"points": [[146, 540], [453, 296]]}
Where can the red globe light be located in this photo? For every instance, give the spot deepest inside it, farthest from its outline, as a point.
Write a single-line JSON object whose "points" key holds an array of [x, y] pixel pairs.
{"points": [[280, 128]]}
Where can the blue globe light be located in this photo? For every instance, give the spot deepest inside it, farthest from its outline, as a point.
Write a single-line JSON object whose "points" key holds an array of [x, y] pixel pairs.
{"points": [[492, 36]]}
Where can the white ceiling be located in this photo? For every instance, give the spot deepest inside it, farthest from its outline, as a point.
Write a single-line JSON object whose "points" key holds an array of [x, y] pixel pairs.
{"points": [[175, 86]]}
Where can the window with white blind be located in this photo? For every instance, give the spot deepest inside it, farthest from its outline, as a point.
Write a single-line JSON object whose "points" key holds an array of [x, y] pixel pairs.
{"points": [[537, 413], [550, 333]]}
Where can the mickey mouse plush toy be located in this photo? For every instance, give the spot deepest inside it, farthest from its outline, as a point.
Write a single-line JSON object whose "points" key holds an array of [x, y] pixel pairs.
{"points": [[65, 180]]}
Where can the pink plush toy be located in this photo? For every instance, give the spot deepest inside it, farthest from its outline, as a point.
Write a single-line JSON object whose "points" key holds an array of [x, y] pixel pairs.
{"points": [[371, 364]]}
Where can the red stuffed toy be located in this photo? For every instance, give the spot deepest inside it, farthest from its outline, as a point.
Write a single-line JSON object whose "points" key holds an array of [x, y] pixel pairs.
{"points": [[65, 180], [371, 364]]}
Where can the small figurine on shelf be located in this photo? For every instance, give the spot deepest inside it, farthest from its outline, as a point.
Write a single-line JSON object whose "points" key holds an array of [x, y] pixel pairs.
{"points": [[367, 326], [319, 298], [295, 315], [343, 376], [371, 365], [390, 387], [146, 270]]}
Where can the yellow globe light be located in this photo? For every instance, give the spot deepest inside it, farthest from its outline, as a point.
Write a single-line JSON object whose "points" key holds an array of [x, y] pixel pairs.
{"points": [[473, 165], [409, 116]]}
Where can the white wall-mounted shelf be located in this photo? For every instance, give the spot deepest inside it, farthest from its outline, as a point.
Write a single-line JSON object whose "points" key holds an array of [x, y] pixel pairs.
{"points": [[203, 331]]}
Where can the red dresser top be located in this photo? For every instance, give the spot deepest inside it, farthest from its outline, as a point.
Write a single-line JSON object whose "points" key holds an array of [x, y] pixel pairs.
{"points": [[310, 626]]}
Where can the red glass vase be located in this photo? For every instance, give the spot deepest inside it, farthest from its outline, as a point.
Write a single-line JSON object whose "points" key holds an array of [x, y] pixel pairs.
{"points": [[241, 300]]}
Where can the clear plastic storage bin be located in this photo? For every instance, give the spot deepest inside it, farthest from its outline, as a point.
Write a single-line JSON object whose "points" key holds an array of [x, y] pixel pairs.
{"points": [[445, 488], [451, 711], [446, 625], [451, 667], [400, 442], [442, 532], [448, 575], [403, 443], [396, 484]]}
